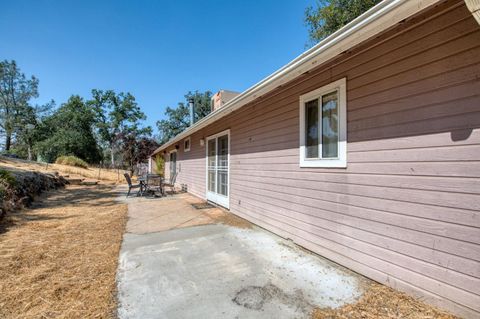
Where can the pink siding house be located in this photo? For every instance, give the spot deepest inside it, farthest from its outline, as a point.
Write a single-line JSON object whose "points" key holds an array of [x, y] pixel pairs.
{"points": [[365, 149]]}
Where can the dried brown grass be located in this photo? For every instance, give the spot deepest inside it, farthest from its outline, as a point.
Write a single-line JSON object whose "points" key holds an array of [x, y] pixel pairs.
{"points": [[380, 301], [112, 175], [230, 219], [59, 259]]}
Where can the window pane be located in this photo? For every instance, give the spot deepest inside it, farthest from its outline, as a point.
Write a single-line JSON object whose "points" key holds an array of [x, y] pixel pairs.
{"points": [[223, 151], [222, 172], [211, 153], [330, 125], [212, 145], [311, 129], [211, 180], [222, 176]]}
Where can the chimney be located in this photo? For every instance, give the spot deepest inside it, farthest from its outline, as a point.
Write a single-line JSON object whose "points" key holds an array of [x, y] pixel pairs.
{"points": [[191, 104], [221, 98]]}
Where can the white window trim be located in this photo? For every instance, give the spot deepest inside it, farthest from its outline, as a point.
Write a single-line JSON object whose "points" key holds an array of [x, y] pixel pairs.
{"points": [[341, 160], [189, 144]]}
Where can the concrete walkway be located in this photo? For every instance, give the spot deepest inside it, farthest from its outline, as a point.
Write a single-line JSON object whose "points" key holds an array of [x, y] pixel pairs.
{"points": [[180, 262]]}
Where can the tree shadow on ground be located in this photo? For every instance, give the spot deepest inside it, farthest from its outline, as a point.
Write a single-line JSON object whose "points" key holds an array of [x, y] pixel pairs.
{"points": [[98, 196], [83, 196]]}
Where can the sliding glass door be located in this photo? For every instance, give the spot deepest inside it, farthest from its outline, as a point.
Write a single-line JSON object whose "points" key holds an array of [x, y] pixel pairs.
{"points": [[218, 151]]}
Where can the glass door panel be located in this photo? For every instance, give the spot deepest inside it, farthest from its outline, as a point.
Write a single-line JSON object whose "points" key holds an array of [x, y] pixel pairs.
{"points": [[222, 167], [212, 165]]}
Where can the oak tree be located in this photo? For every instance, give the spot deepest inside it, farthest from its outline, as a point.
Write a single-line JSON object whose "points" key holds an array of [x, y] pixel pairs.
{"points": [[327, 16]]}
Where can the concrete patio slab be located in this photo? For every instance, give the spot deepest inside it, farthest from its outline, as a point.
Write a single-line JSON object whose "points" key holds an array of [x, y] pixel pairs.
{"points": [[218, 271], [147, 214], [158, 214]]}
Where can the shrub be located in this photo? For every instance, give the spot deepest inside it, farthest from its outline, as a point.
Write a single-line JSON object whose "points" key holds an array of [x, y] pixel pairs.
{"points": [[7, 178], [159, 164], [71, 161], [7, 181]]}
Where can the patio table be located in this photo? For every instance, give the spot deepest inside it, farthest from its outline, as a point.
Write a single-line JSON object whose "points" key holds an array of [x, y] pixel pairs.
{"points": [[147, 184]]}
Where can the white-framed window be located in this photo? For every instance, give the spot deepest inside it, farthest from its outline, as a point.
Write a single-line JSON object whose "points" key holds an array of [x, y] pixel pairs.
{"points": [[186, 144], [323, 126]]}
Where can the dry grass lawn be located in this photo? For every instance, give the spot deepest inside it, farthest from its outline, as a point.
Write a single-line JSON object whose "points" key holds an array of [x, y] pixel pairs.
{"points": [[380, 301], [59, 259], [112, 175]]}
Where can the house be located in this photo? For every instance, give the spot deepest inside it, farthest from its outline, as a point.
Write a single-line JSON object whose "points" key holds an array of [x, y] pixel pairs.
{"points": [[365, 149]]}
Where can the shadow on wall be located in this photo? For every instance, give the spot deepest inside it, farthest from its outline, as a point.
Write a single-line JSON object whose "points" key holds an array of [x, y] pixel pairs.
{"points": [[461, 135]]}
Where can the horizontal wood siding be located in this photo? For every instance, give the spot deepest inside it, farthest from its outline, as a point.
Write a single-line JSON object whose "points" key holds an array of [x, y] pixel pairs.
{"points": [[406, 210], [190, 166]]}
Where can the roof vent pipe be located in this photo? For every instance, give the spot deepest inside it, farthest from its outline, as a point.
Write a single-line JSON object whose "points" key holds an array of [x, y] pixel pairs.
{"points": [[191, 104], [474, 7]]}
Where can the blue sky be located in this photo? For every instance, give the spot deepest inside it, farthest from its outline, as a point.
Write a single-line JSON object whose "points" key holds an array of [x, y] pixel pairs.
{"points": [[157, 50]]}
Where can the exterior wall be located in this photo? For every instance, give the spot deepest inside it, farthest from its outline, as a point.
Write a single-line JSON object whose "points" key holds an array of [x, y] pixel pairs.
{"points": [[406, 210]]}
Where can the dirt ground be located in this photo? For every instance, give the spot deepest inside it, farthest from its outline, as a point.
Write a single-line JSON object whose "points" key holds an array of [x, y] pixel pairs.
{"points": [[59, 258]]}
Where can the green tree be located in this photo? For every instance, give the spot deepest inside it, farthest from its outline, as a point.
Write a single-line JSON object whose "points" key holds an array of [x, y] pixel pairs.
{"points": [[69, 131], [178, 119], [27, 133], [330, 15], [16, 91], [117, 115]]}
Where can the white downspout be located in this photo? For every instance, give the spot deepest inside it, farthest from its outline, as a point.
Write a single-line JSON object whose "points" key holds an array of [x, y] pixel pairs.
{"points": [[474, 7]]}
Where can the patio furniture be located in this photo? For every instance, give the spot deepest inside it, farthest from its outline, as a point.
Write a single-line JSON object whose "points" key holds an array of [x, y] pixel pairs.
{"points": [[132, 186], [153, 183], [171, 183], [143, 184]]}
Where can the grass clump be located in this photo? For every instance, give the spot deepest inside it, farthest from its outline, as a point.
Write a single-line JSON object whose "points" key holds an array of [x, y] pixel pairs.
{"points": [[7, 178], [71, 161], [7, 183]]}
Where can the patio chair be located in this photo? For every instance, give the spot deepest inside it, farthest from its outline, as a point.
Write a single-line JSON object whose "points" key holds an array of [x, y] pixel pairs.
{"points": [[171, 183], [130, 185]]}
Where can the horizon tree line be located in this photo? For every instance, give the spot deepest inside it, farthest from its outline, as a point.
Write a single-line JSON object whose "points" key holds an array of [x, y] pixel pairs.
{"points": [[105, 128]]}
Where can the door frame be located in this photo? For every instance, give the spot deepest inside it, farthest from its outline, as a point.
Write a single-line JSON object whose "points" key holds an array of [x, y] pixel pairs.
{"points": [[211, 137]]}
